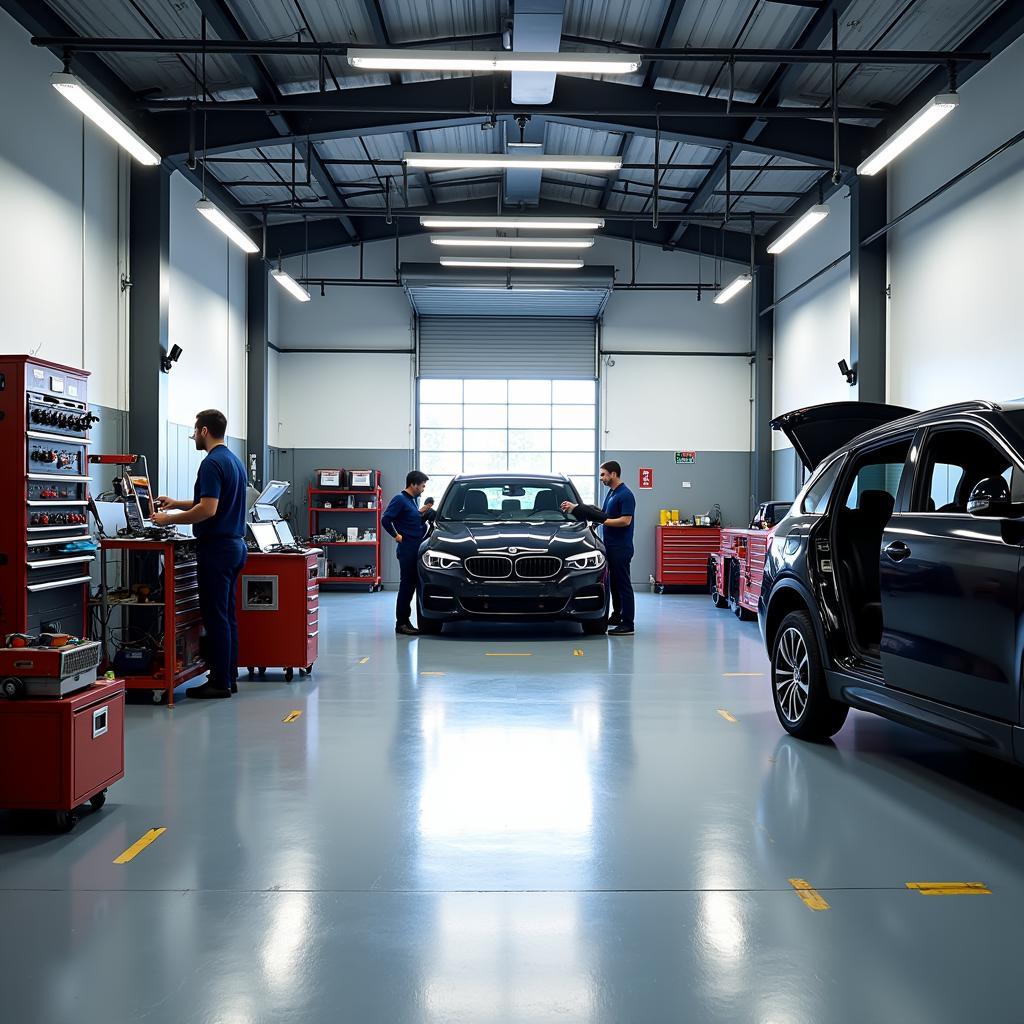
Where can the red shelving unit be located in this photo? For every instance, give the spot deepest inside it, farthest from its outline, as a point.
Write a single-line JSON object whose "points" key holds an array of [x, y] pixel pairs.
{"points": [[316, 524]]}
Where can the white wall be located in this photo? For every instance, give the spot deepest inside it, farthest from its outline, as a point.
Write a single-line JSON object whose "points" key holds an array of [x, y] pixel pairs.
{"points": [[206, 316], [955, 267], [63, 204]]}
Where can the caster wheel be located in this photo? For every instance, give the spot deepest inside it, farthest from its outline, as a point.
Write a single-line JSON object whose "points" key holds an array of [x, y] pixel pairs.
{"points": [[98, 800], [12, 688], [158, 696], [251, 671], [289, 675], [309, 670], [66, 820], [263, 672]]}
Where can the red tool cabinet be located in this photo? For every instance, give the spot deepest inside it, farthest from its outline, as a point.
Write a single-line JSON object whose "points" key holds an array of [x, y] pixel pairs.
{"points": [[278, 601], [57, 753], [681, 557], [736, 570]]}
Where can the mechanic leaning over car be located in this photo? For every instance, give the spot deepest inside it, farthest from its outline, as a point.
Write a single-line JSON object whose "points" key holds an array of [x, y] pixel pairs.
{"points": [[402, 520], [616, 517]]}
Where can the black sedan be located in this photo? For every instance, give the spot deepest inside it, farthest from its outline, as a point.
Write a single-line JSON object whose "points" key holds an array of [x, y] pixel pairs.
{"points": [[502, 549]]}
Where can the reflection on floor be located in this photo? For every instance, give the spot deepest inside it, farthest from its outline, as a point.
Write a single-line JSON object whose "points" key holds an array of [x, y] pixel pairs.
{"points": [[487, 827]]}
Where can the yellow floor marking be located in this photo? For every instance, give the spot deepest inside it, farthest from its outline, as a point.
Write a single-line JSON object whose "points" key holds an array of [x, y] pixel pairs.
{"points": [[808, 894], [137, 847], [950, 888], [509, 654], [739, 675], [363, 661], [431, 673], [728, 716], [577, 652], [291, 716]]}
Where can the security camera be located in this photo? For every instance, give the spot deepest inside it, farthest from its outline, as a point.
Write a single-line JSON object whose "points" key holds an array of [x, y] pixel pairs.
{"points": [[170, 358], [850, 375]]}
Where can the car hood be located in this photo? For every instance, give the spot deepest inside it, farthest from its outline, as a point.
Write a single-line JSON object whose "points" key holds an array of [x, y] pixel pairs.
{"points": [[557, 538], [819, 430]]}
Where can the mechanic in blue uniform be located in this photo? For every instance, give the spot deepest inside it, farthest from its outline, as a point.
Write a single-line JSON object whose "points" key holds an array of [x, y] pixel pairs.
{"points": [[403, 521], [616, 516], [217, 517]]}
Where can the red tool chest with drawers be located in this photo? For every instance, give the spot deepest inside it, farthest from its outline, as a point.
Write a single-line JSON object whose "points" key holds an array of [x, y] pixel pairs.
{"points": [[57, 753], [681, 556], [736, 570], [278, 612]]}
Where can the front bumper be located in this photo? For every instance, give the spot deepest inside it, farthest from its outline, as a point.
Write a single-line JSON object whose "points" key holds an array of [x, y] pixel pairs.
{"points": [[446, 596]]}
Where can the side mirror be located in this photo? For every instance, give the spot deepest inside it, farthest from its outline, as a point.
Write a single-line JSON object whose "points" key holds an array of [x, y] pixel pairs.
{"points": [[990, 498]]}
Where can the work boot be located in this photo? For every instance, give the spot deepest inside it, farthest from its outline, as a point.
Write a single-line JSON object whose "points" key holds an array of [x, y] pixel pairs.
{"points": [[406, 629], [621, 630], [208, 691]]}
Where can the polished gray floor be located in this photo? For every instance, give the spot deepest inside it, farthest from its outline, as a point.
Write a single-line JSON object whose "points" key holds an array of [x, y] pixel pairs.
{"points": [[491, 827]]}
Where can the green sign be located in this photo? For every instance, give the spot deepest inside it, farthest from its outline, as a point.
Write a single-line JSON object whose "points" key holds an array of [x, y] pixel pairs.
{"points": [[686, 458]]}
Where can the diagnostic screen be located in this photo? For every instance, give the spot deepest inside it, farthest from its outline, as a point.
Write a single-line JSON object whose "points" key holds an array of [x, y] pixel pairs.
{"points": [[141, 485], [284, 532], [264, 534]]}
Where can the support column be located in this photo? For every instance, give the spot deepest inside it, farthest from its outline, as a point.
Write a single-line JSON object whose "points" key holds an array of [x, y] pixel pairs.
{"points": [[762, 333], [258, 373], [149, 260], [868, 213]]}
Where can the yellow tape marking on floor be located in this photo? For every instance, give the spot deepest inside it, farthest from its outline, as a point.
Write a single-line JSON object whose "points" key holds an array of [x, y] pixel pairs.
{"points": [[811, 897], [363, 661], [742, 675], [431, 673], [577, 652], [727, 715], [509, 654], [950, 888], [139, 845], [291, 716]]}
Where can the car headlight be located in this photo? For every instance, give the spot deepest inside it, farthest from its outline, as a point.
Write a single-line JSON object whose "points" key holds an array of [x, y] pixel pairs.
{"points": [[586, 560], [441, 560]]}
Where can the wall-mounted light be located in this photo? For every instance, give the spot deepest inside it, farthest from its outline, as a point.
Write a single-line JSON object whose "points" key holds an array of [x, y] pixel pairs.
{"points": [[733, 288], [222, 222], [467, 60], [500, 161], [815, 215], [289, 284], [926, 118]]}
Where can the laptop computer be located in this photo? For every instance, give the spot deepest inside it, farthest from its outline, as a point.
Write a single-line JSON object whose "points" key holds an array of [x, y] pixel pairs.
{"points": [[265, 536], [284, 533]]}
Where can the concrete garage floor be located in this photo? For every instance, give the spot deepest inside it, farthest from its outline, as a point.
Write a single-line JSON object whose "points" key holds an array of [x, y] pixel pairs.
{"points": [[444, 836]]}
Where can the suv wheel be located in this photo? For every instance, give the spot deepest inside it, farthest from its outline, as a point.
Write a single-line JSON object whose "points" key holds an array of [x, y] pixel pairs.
{"points": [[801, 695]]}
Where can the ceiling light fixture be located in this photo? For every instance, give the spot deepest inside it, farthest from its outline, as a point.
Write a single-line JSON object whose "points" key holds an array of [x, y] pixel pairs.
{"points": [[734, 287], [491, 161], [512, 243], [104, 117], [815, 215], [289, 284], [513, 264], [467, 60], [927, 117], [518, 223], [222, 222]]}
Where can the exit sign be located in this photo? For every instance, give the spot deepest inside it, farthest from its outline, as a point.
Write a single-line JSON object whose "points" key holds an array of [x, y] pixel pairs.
{"points": [[686, 458]]}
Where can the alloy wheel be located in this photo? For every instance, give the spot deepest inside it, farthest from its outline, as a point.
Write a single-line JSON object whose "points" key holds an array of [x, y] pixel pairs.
{"points": [[792, 674]]}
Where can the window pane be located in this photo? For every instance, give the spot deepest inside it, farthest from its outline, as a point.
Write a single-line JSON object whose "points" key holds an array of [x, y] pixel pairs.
{"points": [[529, 462], [486, 391], [529, 391], [573, 440], [440, 390], [573, 392], [485, 441], [572, 463], [536, 416], [572, 416], [440, 463], [440, 440], [585, 485], [440, 415], [436, 488], [485, 462], [945, 479], [529, 440], [487, 416]]}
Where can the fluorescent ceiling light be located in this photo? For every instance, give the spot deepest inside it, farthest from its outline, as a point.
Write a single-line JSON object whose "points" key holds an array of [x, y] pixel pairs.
{"points": [[289, 284], [799, 228], [467, 60], [520, 223], [927, 117], [72, 89], [512, 243], [482, 161], [221, 221], [483, 261], [734, 287]]}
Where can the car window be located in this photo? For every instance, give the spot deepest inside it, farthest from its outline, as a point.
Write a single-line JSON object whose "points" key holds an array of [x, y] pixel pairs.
{"points": [[880, 469], [816, 494], [952, 463], [503, 499]]}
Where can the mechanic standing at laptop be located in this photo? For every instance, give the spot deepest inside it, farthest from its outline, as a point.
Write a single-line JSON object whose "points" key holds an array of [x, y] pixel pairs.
{"points": [[616, 517], [403, 521], [217, 517]]}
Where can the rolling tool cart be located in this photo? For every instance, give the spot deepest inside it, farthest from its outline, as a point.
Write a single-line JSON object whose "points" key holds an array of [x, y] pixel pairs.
{"points": [[332, 509], [58, 753], [736, 570]]}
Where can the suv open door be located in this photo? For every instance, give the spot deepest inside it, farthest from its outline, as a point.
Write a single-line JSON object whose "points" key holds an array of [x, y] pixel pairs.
{"points": [[819, 430]]}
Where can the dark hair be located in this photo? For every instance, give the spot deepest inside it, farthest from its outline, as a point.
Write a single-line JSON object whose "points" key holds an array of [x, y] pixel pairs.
{"points": [[215, 422], [416, 477], [612, 467]]}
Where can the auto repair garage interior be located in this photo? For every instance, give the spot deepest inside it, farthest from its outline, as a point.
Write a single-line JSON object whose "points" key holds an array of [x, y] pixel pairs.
{"points": [[515, 240]]}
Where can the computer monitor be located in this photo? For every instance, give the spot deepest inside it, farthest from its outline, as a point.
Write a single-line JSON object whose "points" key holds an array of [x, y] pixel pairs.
{"points": [[265, 535], [138, 504], [284, 532]]}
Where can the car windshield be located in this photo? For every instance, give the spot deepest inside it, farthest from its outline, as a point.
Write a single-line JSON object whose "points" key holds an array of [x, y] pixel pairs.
{"points": [[507, 500]]}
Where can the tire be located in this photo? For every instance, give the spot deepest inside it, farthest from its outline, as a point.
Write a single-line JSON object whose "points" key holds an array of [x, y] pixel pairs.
{"points": [[12, 688], [289, 675], [716, 598], [739, 611], [595, 627], [429, 627], [65, 820], [799, 691], [98, 800], [252, 671], [309, 670]]}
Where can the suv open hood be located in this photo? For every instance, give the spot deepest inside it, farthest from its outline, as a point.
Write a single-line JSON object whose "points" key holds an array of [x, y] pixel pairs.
{"points": [[819, 430]]}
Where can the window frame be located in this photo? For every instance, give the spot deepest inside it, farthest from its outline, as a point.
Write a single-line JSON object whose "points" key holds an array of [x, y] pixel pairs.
{"points": [[855, 464], [817, 474]]}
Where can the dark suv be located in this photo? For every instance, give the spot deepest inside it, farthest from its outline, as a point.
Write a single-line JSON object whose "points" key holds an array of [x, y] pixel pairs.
{"points": [[896, 584]]}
